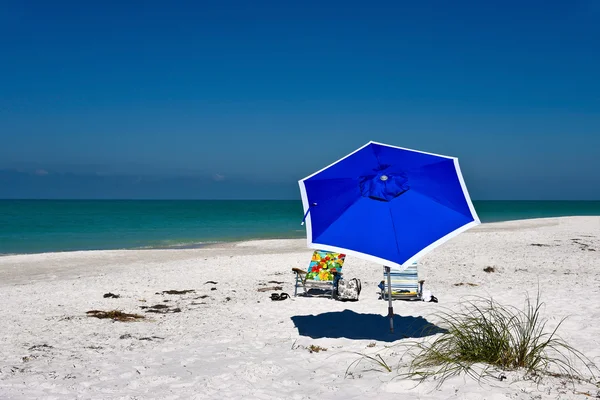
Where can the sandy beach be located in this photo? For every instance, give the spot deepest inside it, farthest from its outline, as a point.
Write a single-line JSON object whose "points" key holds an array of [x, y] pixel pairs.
{"points": [[228, 340]]}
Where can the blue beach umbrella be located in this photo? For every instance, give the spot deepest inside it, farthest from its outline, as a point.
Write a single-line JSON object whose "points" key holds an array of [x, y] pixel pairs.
{"points": [[386, 204]]}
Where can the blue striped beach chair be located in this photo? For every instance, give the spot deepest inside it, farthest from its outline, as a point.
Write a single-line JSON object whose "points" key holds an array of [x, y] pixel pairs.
{"points": [[405, 284]]}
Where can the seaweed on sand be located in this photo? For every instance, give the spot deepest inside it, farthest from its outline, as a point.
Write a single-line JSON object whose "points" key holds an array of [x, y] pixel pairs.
{"points": [[177, 291], [115, 315]]}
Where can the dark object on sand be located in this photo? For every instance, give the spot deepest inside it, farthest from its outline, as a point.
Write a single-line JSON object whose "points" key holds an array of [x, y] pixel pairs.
{"points": [[111, 295], [161, 309], [151, 338], [266, 289], [156, 307], [178, 291], [489, 269], [115, 315], [164, 310], [41, 347], [279, 297], [213, 282], [213, 288]]}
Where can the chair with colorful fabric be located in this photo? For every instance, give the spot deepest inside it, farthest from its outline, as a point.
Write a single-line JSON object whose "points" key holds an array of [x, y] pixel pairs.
{"points": [[405, 284], [323, 272]]}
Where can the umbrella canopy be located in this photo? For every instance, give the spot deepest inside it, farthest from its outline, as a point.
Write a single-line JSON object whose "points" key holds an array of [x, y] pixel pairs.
{"points": [[386, 204]]}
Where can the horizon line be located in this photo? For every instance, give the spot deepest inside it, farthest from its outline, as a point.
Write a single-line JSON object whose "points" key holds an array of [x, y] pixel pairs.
{"points": [[245, 199]]}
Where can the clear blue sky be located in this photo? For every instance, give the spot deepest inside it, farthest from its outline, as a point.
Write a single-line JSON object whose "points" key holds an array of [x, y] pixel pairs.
{"points": [[242, 98]]}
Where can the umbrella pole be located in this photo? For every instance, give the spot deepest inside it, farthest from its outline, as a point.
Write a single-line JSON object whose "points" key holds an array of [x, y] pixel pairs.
{"points": [[389, 294]]}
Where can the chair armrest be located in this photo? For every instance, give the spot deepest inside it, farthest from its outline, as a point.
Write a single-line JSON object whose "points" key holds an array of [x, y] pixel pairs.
{"points": [[299, 271]]}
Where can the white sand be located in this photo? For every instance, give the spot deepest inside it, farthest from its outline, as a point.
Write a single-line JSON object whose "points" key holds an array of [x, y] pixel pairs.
{"points": [[249, 346]]}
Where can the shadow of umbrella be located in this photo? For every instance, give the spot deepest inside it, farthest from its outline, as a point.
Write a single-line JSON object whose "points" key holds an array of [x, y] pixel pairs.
{"points": [[351, 325]]}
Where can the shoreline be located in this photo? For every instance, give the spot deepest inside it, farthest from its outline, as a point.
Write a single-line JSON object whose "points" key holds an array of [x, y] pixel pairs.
{"points": [[178, 246], [52, 226], [233, 242], [183, 246]]}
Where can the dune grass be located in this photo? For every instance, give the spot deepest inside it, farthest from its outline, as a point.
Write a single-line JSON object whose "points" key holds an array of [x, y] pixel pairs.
{"points": [[483, 339], [376, 361], [492, 336]]}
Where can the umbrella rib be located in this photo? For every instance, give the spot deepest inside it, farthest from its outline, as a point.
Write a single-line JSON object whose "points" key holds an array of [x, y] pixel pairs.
{"points": [[430, 164], [442, 204], [316, 179], [339, 216], [376, 156], [409, 170], [394, 228], [333, 195]]}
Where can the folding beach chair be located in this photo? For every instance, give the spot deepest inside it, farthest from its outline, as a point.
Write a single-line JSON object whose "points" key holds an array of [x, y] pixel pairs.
{"points": [[323, 272], [405, 284]]}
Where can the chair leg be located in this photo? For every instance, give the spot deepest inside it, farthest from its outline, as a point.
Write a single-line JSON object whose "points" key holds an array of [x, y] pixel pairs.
{"points": [[296, 286]]}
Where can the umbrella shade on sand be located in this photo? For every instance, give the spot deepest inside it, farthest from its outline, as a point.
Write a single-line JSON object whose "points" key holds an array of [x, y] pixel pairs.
{"points": [[386, 204]]}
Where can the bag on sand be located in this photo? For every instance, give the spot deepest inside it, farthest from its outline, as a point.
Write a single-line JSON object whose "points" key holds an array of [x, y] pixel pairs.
{"points": [[348, 289]]}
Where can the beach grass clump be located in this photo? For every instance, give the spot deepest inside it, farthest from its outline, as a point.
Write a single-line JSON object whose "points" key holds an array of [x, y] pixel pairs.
{"points": [[115, 315], [492, 336], [315, 349], [375, 362]]}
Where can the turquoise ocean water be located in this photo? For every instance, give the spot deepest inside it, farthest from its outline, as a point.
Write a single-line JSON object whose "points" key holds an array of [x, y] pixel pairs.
{"points": [[35, 226]]}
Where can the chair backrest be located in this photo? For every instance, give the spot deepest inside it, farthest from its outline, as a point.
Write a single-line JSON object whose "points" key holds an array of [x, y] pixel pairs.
{"points": [[324, 264], [406, 281]]}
